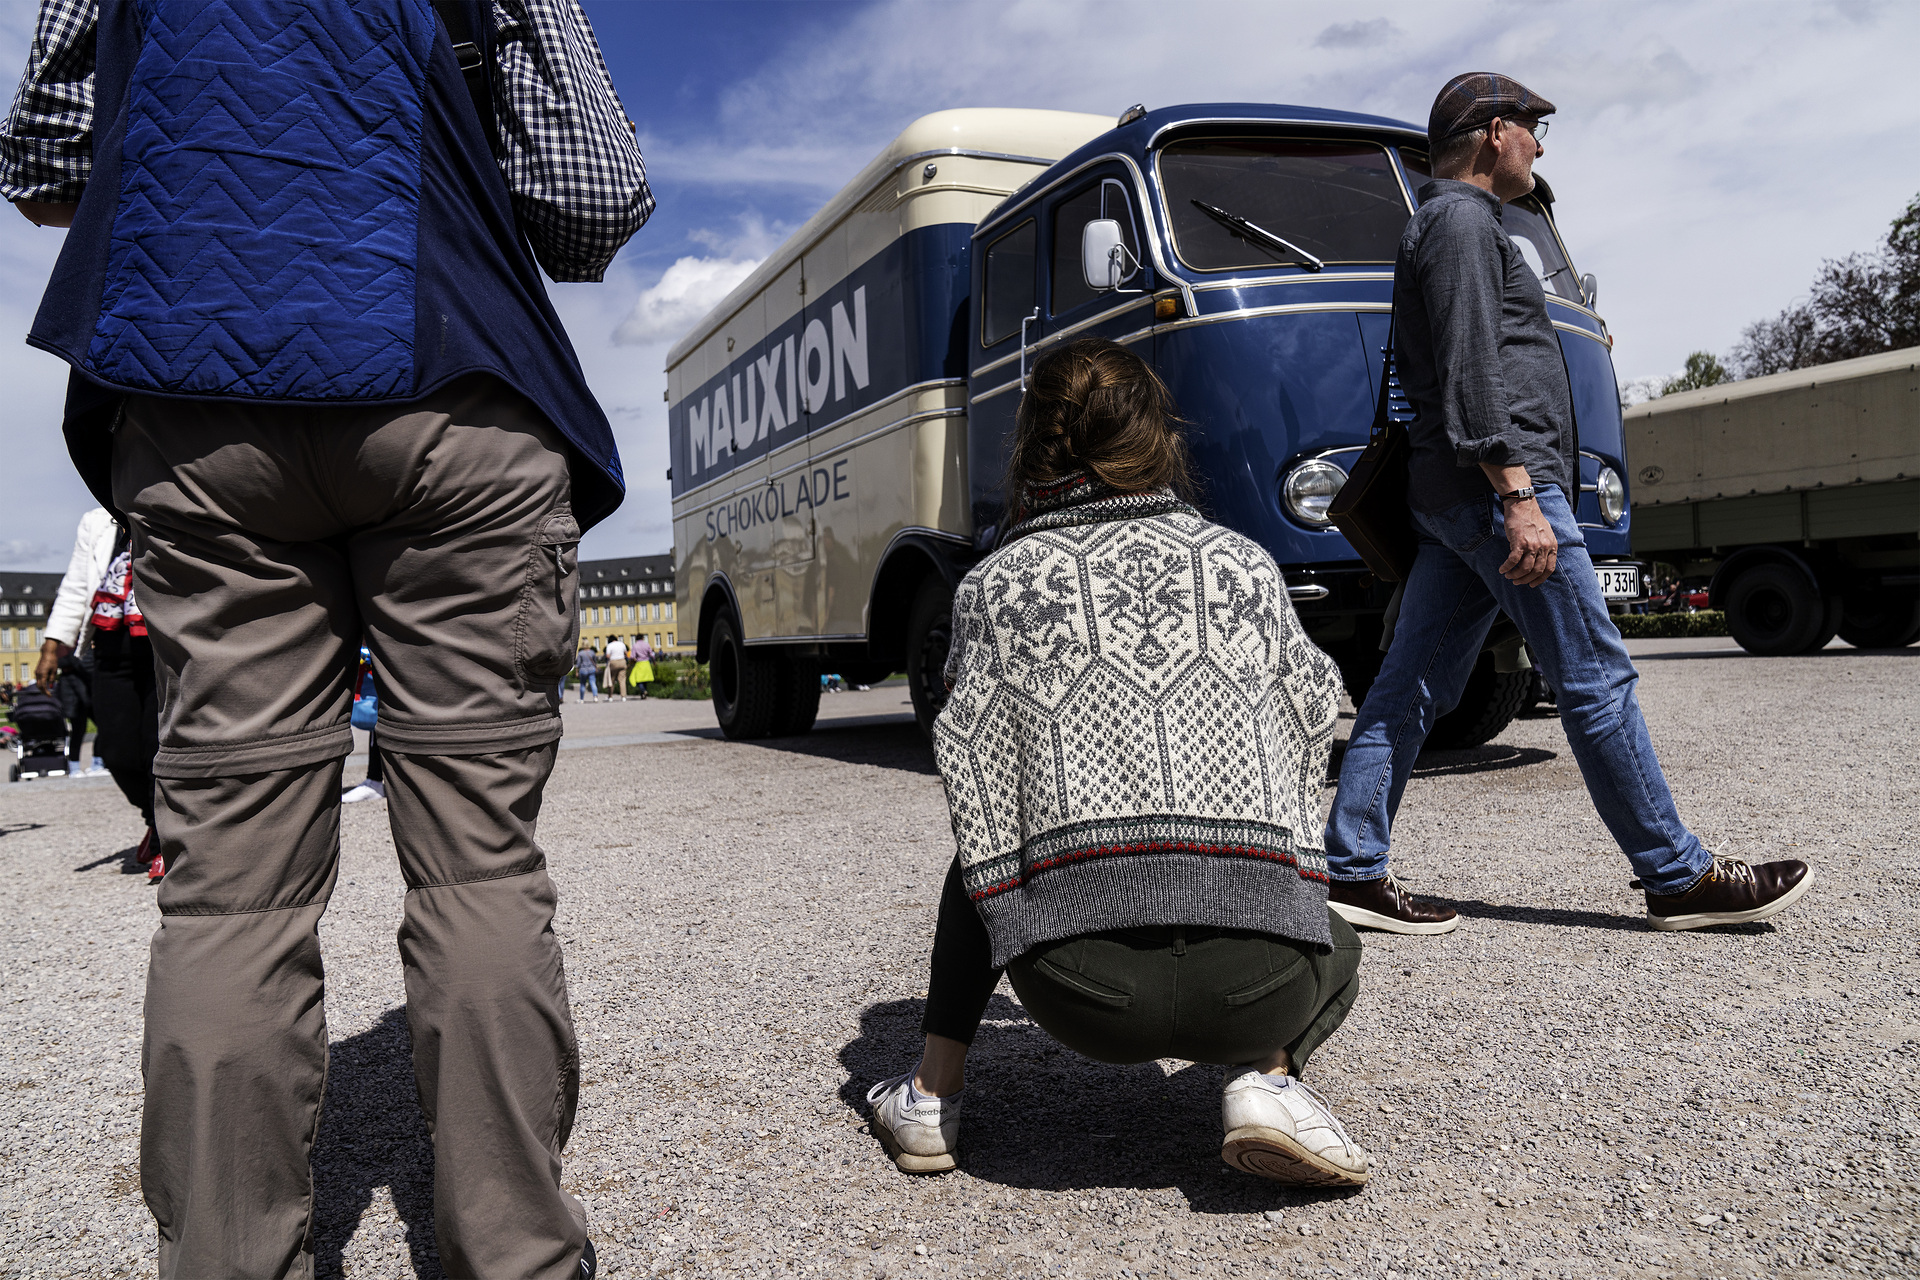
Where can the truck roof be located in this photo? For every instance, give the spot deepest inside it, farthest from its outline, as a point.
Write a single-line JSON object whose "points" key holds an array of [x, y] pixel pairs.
{"points": [[1748, 388], [999, 133]]}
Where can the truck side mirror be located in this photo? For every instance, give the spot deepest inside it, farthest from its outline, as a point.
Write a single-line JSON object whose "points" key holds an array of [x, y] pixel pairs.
{"points": [[1590, 289], [1104, 259]]}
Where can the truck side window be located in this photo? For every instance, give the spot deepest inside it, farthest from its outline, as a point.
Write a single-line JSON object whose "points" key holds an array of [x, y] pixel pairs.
{"points": [[1009, 284], [1108, 199]]}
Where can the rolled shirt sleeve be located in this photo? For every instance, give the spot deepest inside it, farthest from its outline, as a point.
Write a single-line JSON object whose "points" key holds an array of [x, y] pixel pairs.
{"points": [[570, 156], [1462, 271], [46, 148]]}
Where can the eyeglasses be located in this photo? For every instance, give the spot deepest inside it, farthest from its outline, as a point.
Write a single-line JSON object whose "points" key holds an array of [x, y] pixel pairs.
{"points": [[1538, 129]]}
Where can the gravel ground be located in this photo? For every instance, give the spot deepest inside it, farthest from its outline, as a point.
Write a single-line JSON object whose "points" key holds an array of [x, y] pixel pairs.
{"points": [[1552, 1090]]}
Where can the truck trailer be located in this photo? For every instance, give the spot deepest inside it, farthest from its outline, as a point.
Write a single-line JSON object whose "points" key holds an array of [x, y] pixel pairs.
{"points": [[839, 423], [1797, 495]]}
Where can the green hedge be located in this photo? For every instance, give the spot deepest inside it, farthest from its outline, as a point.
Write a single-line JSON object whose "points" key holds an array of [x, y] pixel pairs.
{"points": [[681, 678], [1666, 626]]}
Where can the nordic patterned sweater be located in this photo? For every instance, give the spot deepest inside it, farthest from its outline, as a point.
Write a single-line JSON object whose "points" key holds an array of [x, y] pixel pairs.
{"points": [[1138, 730]]}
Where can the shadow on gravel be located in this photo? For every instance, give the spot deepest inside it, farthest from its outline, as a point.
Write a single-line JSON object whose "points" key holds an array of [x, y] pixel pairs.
{"points": [[372, 1135], [1042, 1117], [896, 744], [15, 828], [1490, 758], [128, 867], [1475, 909]]}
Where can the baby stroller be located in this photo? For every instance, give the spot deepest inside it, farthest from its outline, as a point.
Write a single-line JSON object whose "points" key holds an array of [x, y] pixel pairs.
{"points": [[39, 736]]}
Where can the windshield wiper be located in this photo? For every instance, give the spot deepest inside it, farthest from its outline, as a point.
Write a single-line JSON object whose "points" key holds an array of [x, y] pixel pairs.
{"points": [[1241, 225]]}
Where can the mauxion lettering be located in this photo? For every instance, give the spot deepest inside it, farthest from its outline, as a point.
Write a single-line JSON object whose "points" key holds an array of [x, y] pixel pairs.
{"points": [[749, 406], [775, 501]]}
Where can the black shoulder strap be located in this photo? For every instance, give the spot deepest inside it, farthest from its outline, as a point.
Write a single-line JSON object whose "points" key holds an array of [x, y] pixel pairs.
{"points": [[472, 49]]}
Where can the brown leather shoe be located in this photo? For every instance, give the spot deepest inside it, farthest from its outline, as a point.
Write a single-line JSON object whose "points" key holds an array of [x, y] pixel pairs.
{"points": [[1731, 892], [1386, 904]]}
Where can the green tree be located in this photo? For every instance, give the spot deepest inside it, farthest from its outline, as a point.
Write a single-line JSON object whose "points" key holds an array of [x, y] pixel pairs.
{"points": [[1861, 304], [1703, 370]]}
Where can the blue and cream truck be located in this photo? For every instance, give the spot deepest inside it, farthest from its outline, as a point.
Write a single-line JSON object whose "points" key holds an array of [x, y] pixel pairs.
{"points": [[839, 423]]}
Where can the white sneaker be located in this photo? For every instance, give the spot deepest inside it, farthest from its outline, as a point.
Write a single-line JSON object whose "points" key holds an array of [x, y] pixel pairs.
{"points": [[368, 790], [98, 769], [1280, 1129], [923, 1136]]}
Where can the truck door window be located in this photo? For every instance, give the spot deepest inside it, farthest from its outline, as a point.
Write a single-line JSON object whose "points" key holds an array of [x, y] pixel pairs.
{"points": [[1527, 226], [1340, 201], [1009, 284], [1106, 199]]}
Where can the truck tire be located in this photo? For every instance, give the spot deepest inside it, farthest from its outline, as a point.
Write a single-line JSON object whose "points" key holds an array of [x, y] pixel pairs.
{"points": [[1772, 611], [1487, 706], [746, 684], [1882, 620], [797, 701], [929, 636]]}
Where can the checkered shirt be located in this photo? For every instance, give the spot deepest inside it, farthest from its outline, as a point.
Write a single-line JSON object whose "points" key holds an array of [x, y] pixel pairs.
{"points": [[566, 146]]}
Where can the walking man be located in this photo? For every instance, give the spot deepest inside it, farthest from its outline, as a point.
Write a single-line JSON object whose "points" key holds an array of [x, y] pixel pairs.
{"points": [[1493, 476], [617, 667], [315, 367]]}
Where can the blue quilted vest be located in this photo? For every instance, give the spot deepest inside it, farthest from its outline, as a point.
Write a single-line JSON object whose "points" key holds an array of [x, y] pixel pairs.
{"points": [[295, 202]]}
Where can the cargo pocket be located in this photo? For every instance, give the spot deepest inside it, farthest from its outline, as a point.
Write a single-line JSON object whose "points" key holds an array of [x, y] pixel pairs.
{"points": [[1284, 976], [548, 628]]}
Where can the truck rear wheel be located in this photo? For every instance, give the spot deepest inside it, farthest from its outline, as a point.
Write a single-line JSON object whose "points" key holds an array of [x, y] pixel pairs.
{"points": [[747, 685], [1487, 706], [1882, 620], [1773, 610], [797, 702], [929, 636]]}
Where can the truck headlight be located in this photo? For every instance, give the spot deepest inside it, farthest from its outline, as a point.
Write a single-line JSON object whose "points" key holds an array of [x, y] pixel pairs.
{"points": [[1308, 491], [1612, 492]]}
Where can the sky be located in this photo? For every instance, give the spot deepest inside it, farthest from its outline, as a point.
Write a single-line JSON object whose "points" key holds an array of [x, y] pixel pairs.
{"points": [[1706, 158]]}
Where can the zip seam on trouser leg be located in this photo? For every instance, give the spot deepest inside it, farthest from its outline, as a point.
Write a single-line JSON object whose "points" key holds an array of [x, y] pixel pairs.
{"points": [[539, 863], [246, 911]]}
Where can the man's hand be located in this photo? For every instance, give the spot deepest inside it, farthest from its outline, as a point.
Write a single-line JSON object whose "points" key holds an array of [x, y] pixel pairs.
{"points": [[48, 670], [1535, 549], [43, 213]]}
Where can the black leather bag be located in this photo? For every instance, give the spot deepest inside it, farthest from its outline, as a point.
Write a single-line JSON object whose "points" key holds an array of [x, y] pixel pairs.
{"points": [[1371, 508]]}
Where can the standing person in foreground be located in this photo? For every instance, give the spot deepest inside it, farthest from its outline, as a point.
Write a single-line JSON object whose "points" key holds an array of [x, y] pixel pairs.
{"points": [[317, 370], [1492, 480], [1150, 881]]}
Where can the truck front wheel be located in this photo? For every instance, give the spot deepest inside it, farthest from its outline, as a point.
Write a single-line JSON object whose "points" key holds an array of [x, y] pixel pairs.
{"points": [[929, 636], [1487, 706], [747, 685], [1773, 610]]}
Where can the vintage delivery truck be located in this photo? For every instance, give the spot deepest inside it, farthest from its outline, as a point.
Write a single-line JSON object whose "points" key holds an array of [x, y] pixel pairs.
{"points": [[1798, 494], [838, 424]]}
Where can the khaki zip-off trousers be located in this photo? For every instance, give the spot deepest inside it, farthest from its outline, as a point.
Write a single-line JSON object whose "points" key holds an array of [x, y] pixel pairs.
{"points": [[268, 541]]}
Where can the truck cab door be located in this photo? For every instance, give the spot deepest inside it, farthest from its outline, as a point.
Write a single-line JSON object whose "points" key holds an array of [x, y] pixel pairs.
{"points": [[1007, 292], [1073, 308]]}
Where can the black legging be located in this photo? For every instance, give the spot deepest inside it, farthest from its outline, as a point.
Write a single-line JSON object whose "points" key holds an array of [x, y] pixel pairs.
{"points": [[126, 707], [376, 772]]}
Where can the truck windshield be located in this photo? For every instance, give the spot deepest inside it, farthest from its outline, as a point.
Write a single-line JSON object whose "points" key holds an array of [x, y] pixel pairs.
{"points": [[1525, 222], [1340, 201]]}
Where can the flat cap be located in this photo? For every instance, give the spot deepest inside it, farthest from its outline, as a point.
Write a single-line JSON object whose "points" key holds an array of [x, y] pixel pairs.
{"points": [[1471, 100]]}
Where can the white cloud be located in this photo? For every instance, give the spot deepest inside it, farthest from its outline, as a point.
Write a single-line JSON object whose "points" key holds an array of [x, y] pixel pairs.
{"points": [[1356, 35], [687, 290]]}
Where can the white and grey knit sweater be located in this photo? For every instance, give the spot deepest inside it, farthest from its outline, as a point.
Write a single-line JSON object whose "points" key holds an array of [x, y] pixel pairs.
{"points": [[1139, 728]]}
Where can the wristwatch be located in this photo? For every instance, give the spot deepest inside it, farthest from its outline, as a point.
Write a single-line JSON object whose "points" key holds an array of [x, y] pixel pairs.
{"points": [[1518, 495]]}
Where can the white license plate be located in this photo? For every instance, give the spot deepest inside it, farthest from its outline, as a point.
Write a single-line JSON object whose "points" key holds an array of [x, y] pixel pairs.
{"points": [[1618, 582]]}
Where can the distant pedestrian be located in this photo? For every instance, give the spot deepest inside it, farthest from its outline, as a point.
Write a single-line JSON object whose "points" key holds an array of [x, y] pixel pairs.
{"points": [[1492, 484], [96, 615], [366, 715], [642, 675], [586, 665], [316, 365], [617, 667], [1150, 881]]}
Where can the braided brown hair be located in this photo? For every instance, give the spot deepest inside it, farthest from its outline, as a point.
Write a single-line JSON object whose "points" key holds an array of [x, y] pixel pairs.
{"points": [[1094, 406]]}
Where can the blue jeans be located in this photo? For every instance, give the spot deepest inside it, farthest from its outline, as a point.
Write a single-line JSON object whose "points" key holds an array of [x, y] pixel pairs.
{"points": [[1451, 599], [589, 682]]}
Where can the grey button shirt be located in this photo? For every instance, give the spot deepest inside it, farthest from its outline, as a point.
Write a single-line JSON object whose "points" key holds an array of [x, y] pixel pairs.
{"points": [[1478, 357]]}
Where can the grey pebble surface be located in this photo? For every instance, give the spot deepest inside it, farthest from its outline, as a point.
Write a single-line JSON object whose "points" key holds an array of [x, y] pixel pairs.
{"points": [[1553, 1090]]}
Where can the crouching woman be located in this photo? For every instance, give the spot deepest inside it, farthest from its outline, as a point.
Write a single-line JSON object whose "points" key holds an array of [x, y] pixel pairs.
{"points": [[1133, 754]]}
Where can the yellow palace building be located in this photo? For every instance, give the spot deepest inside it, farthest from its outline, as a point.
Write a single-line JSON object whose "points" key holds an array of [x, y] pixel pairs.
{"points": [[627, 598], [24, 601]]}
